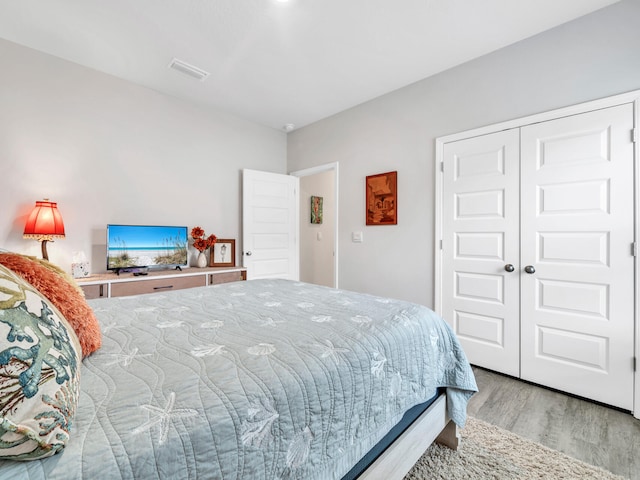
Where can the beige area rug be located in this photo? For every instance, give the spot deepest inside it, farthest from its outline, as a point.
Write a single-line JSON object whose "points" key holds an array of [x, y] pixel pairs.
{"points": [[489, 452]]}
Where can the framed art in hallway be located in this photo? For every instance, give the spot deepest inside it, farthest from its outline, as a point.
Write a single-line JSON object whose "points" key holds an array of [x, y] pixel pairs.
{"points": [[316, 210], [223, 253], [382, 199]]}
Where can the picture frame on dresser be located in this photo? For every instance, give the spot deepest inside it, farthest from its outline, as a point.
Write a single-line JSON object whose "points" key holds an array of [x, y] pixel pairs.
{"points": [[223, 253]]}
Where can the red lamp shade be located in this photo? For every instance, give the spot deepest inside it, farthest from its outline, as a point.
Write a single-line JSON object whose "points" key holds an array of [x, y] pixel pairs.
{"points": [[44, 224]]}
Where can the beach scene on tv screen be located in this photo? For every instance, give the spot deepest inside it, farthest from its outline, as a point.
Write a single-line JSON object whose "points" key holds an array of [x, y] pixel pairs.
{"points": [[144, 246]]}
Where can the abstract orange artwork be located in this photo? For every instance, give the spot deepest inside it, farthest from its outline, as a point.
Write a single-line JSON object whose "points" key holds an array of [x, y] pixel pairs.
{"points": [[382, 199]]}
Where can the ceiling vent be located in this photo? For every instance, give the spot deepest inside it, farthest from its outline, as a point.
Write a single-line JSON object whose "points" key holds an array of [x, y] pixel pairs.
{"points": [[190, 70]]}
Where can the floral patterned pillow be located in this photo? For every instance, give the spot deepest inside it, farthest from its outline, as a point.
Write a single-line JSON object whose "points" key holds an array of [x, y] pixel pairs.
{"points": [[39, 372], [63, 292]]}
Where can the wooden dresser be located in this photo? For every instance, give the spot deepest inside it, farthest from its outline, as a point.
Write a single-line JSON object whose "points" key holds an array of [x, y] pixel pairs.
{"points": [[112, 285]]}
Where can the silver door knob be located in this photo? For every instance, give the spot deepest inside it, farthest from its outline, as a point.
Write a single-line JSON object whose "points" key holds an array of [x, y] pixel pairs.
{"points": [[529, 269], [248, 254], [509, 268]]}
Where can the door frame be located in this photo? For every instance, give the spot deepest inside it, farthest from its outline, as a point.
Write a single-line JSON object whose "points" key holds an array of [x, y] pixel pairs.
{"points": [[334, 167], [625, 98]]}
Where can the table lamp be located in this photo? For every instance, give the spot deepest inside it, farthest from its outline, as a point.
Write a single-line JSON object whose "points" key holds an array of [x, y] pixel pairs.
{"points": [[44, 224]]}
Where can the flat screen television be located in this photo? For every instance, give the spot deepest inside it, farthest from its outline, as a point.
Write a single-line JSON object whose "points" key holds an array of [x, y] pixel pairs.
{"points": [[132, 247]]}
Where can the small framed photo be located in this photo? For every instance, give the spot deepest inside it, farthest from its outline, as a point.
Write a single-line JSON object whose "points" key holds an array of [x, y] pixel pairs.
{"points": [[316, 210], [382, 199], [223, 253]]}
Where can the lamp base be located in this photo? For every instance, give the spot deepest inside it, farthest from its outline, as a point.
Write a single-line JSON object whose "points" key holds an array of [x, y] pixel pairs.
{"points": [[44, 250]]}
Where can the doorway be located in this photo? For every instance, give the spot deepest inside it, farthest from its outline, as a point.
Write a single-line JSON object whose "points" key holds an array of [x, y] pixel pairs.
{"points": [[318, 230]]}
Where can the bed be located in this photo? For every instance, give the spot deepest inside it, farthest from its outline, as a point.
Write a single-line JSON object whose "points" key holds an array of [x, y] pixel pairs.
{"points": [[262, 379]]}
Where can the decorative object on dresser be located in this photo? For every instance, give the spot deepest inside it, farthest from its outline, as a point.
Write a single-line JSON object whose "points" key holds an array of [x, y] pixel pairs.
{"points": [[80, 265], [202, 243], [382, 199], [223, 253], [44, 224]]}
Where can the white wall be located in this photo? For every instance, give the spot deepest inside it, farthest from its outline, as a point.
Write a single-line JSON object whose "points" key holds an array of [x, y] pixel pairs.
{"points": [[317, 240], [109, 151], [589, 58]]}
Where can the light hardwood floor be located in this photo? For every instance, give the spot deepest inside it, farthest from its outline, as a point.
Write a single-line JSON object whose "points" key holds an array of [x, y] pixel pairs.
{"points": [[590, 432]]}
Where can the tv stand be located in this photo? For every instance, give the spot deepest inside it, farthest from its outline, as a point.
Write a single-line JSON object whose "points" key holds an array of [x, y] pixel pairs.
{"points": [[108, 285]]}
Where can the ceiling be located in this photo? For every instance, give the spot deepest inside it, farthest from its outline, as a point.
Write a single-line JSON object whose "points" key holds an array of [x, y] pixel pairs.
{"points": [[278, 63]]}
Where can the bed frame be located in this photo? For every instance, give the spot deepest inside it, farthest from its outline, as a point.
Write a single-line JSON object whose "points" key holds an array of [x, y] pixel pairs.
{"points": [[433, 425]]}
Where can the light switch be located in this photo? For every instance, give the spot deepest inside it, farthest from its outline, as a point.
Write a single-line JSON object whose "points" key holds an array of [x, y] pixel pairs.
{"points": [[356, 237], [319, 236]]}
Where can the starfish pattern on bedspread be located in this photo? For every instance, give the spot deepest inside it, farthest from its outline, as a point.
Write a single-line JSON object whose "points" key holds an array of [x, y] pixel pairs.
{"points": [[163, 417]]}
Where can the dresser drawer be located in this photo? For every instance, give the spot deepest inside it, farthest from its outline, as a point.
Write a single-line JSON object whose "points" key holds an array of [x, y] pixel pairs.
{"points": [[95, 290], [226, 277], [137, 287]]}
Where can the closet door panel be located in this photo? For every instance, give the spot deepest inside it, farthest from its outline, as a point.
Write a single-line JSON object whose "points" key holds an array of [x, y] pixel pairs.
{"points": [[481, 236], [577, 316]]}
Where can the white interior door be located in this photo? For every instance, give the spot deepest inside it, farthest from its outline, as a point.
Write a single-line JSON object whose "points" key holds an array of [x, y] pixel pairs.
{"points": [[577, 232], [270, 225], [480, 296]]}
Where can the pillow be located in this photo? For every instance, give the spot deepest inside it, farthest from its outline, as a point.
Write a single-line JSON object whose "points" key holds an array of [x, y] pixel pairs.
{"points": [[63, 293], [39, 372], [56, 269]]}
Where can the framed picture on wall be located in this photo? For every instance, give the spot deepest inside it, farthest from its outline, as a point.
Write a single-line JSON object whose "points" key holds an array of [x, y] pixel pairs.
{"points": [[316, 210], [382, 199], [223, 253]]}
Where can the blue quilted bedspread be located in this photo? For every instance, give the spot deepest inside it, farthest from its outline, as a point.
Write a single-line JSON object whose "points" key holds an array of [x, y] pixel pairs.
{"points": [[264, 379]]}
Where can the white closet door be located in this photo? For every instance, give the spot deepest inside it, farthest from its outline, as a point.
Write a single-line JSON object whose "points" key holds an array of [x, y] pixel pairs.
{"points": [[480, 237], [577, 315]]}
